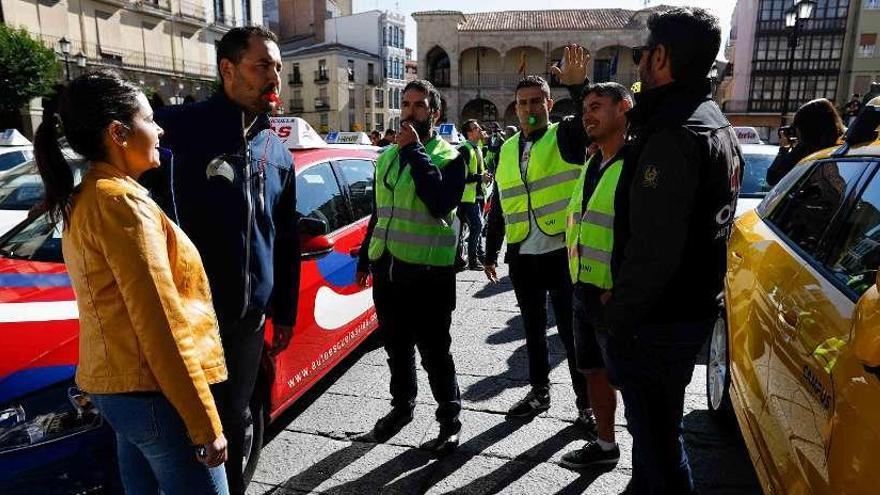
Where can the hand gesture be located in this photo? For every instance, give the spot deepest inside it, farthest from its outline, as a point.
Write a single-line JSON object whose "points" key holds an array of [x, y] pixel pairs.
{"points": [[281, 335], [490, 273], [214, 453], [407, 135], [362, 279], [575, 61]]}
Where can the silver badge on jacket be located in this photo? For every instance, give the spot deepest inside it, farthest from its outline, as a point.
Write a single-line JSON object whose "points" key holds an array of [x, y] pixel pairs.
{"points": [[220, 167]]}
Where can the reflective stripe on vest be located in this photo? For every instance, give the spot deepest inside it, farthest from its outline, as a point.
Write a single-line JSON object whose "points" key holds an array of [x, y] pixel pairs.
{"points": [[546, 191], [404, 226], [470, 189], [589, 237]]}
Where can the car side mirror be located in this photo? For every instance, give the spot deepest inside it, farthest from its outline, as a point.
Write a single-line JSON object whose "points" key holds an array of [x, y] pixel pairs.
{"points": [[314, 240], [866, 328]]}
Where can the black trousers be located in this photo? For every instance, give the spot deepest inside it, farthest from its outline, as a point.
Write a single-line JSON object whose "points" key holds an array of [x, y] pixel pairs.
{"points": [[242, 346], [534, 277], [414, 304]]}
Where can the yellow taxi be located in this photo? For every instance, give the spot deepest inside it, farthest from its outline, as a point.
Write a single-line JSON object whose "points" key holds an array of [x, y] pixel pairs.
{"points": [[796, 354]]}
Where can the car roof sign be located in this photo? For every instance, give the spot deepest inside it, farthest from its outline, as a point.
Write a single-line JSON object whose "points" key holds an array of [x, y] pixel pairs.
{"points": [[338, 137], [11, 137], [449, 133], [748, 135], [296, 133]]}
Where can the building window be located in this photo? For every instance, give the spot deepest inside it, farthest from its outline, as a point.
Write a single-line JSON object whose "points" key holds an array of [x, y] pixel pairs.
{"points": [[351, 70], [872, 4], [403, 39], [867, 44], [368, 121], [371, 78], [297, 77], [246, 11], [325, 120], [380, 98], [380, 122]]}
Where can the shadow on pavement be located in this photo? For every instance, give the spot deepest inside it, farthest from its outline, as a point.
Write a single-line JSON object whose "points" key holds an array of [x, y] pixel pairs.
{"points": [[491, 289], [718, 456], [514, 469], [511, 333], [490, 387], [422, 480]]}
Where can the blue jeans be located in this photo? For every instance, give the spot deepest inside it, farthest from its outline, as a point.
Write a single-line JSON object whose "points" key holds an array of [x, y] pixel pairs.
{"points": [[153, 448], [652, 370], [471, 215]]}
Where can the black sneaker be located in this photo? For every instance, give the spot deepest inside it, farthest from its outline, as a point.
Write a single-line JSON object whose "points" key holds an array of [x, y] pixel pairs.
{"points": [[446, 442], [389, 425], [533, 403], [587, 421], [590, 454], [475, 266]]}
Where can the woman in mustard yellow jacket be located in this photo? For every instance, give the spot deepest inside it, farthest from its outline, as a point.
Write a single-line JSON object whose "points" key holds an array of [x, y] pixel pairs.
{"points": [[149, 345]]}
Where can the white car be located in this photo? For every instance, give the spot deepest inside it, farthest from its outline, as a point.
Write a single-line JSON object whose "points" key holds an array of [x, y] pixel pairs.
{"points": [[21, 188], [758, 158], [15, 149]]}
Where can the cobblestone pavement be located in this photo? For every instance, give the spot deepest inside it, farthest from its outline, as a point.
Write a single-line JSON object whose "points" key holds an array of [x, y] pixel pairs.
{"points": [[312, 450]]}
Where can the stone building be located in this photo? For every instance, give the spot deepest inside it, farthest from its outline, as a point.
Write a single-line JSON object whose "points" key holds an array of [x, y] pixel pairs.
{"points": [[333, 87], [166, 46], [477, 59]]}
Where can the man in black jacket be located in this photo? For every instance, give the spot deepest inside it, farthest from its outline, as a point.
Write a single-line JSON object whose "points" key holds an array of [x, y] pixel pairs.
{"points": [[664, 301], [232, 191]]}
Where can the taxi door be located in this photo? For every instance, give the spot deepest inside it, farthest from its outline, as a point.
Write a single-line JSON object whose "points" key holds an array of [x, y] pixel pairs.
{"points": [[813, 323], [853, 456]]}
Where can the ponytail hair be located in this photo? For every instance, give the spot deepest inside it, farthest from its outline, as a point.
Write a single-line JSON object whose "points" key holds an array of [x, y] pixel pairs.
{"points": [[55, 171], [84, 110]]}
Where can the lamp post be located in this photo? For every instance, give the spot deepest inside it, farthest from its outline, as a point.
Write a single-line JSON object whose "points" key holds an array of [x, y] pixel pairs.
{"points": [[81, 61], [794, 17], [64, 44]]}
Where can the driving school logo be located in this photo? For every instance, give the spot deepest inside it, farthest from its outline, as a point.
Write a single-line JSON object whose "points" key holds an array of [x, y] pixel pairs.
{"points": [[651, 177]]}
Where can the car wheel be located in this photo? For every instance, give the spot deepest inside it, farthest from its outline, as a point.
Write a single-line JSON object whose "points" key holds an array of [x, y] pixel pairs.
{"points": [[253, 439], [718, 374]]}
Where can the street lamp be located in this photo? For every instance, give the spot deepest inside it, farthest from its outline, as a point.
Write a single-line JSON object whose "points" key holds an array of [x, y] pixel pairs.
{"points": [[64, 44], [802, 9], [81, 60]]}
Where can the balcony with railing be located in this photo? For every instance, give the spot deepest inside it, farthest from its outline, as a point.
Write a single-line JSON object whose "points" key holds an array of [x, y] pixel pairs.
{"points": [[160, 7], [110, 56], [296, 105], [192, 10], [322, 103], [321, 76], [488, 80], [294, 79]]}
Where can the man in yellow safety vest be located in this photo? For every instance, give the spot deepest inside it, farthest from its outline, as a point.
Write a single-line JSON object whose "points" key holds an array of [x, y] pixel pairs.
{"points": [[409, 251], [595, 235], [536, 174]]}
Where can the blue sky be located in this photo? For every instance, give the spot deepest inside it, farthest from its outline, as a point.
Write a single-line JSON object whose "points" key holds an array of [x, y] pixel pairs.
{"points": [[723, 9]]}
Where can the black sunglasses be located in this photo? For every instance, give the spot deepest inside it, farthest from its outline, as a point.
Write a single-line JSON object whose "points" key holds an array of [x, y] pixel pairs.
{"points": [[638, 51]]}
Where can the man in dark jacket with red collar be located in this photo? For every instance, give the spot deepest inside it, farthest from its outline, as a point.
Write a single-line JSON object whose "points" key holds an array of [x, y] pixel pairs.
{"points": [[229, 183], [664, 302]]}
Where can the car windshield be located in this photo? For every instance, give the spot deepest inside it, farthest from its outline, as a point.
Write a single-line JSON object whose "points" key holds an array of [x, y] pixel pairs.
{"points": [[754, 183], [22, 188], [36, 239], [13, 158]]}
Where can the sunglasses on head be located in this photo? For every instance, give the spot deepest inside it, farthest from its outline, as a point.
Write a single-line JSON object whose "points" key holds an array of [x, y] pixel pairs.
{"points": [[638, 52]]}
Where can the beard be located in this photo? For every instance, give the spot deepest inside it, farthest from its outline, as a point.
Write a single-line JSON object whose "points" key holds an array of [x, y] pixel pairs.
{"points": [[422, 127], [645, 75]]}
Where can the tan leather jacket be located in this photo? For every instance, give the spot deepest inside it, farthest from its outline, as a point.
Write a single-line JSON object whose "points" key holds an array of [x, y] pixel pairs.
{"points": [[146, 318]]}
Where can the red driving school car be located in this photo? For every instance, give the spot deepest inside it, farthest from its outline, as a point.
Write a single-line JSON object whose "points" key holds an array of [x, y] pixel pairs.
{"points": [[53, 441]]}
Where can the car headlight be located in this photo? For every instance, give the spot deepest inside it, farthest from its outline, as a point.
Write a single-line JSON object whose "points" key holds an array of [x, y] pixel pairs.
{"points": [[46, 417]]}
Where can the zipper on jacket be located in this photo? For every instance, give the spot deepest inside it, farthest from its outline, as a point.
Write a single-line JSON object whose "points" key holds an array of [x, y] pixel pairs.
{"points": [[250, 214]]}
